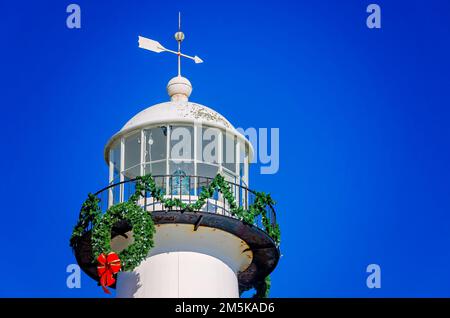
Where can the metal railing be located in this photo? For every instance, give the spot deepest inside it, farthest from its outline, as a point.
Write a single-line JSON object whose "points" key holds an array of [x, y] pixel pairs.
{"points": [[187, 190]]}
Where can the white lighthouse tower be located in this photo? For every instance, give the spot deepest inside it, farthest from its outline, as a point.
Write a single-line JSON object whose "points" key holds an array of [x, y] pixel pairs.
{"points": [[184, 145]]}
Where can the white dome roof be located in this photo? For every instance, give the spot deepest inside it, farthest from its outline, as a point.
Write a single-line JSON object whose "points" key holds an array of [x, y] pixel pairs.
{"points": [[177, 112]]}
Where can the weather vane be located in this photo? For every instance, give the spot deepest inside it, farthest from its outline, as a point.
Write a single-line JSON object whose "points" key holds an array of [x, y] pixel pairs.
{"points": [[154, 46]]}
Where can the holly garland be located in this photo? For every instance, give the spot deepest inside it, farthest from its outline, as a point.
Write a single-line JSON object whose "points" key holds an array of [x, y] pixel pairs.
{"points": [[110, 263], [143, 231], [259, 206], [90, 214]]}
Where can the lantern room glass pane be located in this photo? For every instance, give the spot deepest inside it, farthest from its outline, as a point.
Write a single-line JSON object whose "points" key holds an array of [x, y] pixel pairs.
{"points": [[155, 144], [208, 145], [229, 176], [133, 153], [114, 192], [207, 170], [176, 166], [115, 158], [229, 152], [181, 142], [180, 181], [156, 168], [243, 160], [132, 172]]}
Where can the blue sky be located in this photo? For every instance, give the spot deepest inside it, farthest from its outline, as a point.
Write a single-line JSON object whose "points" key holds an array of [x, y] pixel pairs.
{"points": [[363, 117]]}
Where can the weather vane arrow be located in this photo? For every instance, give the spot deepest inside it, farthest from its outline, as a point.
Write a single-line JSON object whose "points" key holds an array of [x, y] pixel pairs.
{"points": [[155, 46]]}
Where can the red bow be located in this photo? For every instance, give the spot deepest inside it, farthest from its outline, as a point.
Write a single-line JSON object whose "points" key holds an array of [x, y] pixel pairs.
{"points": [[108, 266]]}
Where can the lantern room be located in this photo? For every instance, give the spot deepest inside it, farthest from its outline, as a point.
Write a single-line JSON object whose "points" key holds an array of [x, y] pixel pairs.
{"points": [[178, 139]]}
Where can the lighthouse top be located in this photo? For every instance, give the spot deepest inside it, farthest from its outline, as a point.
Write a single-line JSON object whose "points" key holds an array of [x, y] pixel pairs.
{"points": [[179, 110], [192, 168]]}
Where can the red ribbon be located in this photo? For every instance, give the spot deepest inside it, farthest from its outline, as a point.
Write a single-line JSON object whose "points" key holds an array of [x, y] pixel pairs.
{"points": [[108, 266]]}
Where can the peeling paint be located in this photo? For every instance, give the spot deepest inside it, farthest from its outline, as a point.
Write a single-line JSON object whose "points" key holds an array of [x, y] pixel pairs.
{"points": [[201, 113]]}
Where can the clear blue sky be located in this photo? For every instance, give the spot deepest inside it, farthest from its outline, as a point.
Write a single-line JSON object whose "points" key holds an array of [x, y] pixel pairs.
{"points": [[363, 116]]}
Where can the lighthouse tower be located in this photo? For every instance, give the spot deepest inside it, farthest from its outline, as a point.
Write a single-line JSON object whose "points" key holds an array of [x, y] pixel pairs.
{"points": [[209, 252]]}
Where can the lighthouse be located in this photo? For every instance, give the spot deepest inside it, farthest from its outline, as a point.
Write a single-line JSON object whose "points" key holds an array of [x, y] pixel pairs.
{"points": [[213, 236]]}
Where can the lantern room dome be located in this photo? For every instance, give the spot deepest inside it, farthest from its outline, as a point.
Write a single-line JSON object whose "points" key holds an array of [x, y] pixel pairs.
{"points": [[177, 112]]}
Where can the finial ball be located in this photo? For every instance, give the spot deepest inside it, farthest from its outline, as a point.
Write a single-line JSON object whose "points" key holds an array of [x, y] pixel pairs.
{"points": [[179, 88], [179, 36]]}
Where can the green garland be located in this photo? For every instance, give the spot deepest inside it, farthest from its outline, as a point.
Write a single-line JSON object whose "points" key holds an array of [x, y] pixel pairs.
{"points": [[90, 214], [262, 200], [143, 231], [141, 223], [143, 226]]}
